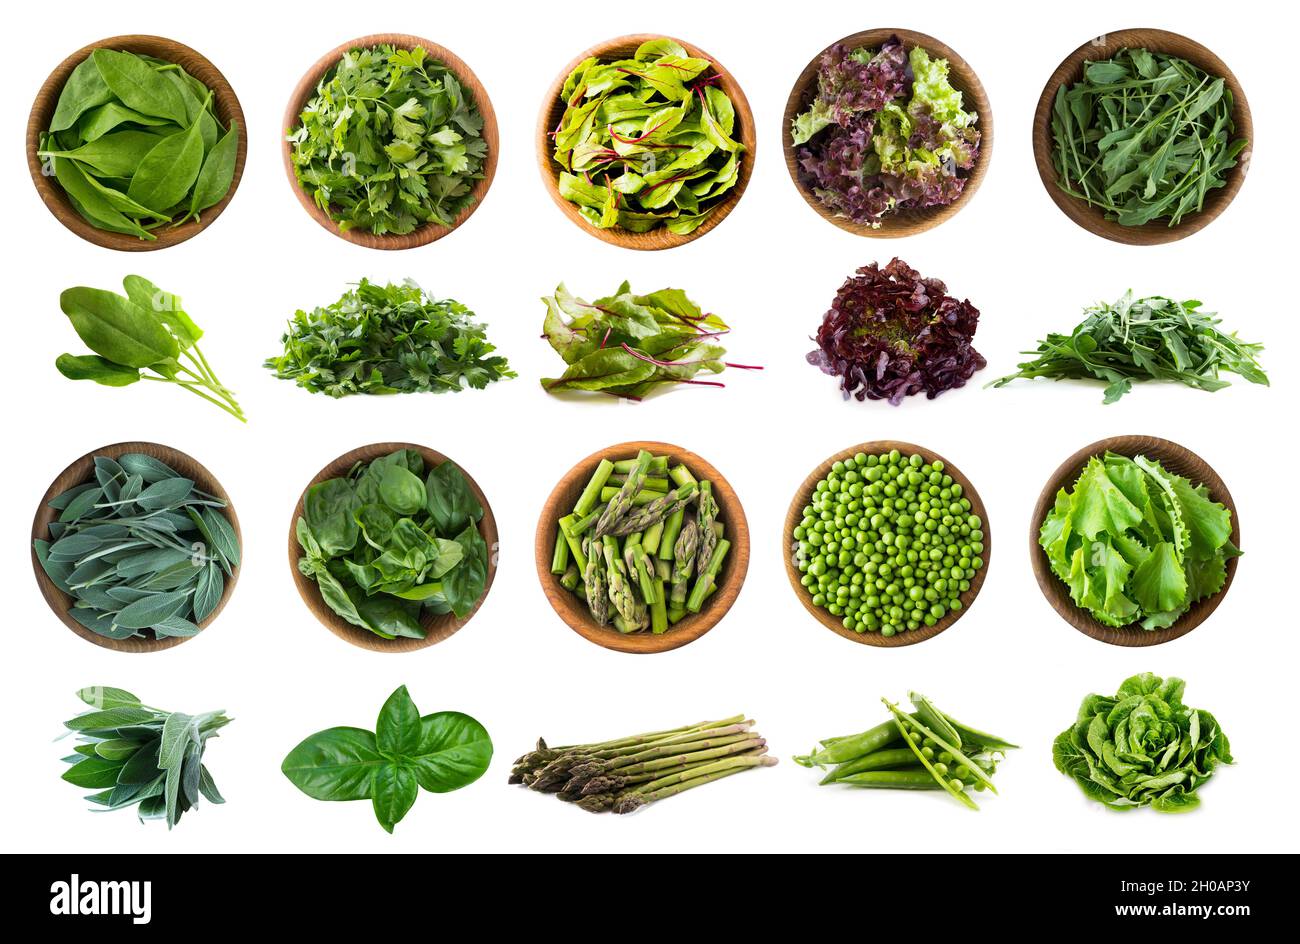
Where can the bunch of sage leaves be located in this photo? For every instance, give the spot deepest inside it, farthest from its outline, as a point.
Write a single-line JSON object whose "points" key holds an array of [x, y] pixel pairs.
{"points": [[142, 551], [389, 544], [648, 141], [390, 142], [136, 144], [1144, 136], [134, 755], [440, 752], [145, 335]]}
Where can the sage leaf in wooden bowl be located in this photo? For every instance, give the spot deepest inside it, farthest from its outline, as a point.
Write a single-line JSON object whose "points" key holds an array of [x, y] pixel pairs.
{"points": [[136, 547]]}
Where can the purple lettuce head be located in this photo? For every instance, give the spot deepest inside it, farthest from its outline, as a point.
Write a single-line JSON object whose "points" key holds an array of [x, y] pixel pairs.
{"points": [[891, 333]]}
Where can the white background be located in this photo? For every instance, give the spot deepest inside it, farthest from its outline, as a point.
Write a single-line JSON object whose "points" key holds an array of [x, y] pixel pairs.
{"points": [[1011, 665]]}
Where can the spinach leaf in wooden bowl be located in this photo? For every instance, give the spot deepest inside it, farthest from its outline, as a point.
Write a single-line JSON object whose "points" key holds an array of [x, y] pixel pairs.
{"points": [[393, 547], [136, 547], [136, 142]]}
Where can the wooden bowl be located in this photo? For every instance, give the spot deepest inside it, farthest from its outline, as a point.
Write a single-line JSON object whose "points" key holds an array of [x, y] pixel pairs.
{"points": [[83, 470], [1177, 459], [691, 627], [430, 232], [1070, 71], [437, 627], [225, 104], [901, 222], [795, 514], [659, 238]]}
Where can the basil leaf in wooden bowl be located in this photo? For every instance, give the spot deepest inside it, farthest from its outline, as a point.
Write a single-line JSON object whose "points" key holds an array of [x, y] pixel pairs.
{"points": [[136, 143], [136, 547], [393, 547]]}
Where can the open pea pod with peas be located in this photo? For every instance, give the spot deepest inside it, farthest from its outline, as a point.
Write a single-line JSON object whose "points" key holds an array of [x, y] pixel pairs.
{"points": [[924, 749]]}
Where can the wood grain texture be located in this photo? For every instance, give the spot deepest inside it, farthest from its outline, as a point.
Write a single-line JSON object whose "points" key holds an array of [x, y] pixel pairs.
{"points": [[623, 47], [795, 514], [573, 609], [52, 195], [437, 627], [1177, 459], [83, 470], [902, 222], [1070, 71], [306, 88]]}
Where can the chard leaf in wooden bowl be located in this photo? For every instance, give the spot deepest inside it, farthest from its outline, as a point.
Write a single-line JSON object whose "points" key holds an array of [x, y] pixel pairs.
{"points": [[887, 133], [642, 547], [407, 178], [646, 141], [136, 547], [393, 547], [1142, 136], [136, 143], [920, 566], [1135, 540]]}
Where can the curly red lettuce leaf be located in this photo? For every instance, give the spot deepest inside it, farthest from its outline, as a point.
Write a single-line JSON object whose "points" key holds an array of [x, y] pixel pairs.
{"points": [[890, 334], [852, 82]]}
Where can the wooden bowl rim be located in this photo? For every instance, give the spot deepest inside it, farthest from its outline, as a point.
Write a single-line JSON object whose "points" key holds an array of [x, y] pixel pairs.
{"points": [[225, 102], [794, 515], [658, 238], [692, 626], [429, 232], [1071, 70], [82, 470], [964, 78], [1057, 593], [437, 627]]}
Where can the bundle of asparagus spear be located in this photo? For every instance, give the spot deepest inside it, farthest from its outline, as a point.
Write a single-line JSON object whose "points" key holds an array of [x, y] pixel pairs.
{"points": [[920, 750], [625, 774], [643, 544]]}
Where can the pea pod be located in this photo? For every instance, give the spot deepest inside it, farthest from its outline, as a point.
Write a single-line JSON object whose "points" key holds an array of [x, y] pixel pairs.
{"points": [[917, 778], [852, 747], [876, 760], [906, 719]]}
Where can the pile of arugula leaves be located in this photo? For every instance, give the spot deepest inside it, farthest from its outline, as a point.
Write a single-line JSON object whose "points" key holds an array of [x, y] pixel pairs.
{"points": [[647, 141], [390, 338], [390, 142], [627, 345], [1136, 543]]}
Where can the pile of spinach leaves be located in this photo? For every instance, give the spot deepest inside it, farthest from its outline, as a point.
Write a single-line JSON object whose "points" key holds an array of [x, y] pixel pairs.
{"points": [[136, 144], [390, 543], [140, 548]]}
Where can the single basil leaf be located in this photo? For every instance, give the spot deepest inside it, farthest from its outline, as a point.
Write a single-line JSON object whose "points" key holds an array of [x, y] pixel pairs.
{"points": [[451, 502], [330, 512], [398, 730], [395, 792], [334, 764], [453, 752]]}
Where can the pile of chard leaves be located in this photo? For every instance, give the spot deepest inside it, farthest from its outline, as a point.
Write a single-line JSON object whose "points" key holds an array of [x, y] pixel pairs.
{"points": [[390, 142], [134, 755], [393, 338], [135, 144], [1134, 340], [1144, 137], [389, 543], [407, 751], [627, 345], [140, 549], [1136, 543], [648, 141]]}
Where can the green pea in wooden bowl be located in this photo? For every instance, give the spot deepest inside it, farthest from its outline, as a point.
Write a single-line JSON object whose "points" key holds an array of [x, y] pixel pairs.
{"points": [[834, 623]]}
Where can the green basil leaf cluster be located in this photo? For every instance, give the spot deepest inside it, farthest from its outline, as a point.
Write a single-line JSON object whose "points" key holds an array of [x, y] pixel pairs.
{"points": [[390, 543], [1136, 543], [390, 142], [145, 330], [1142, 747], [648, 141], [140, 549], [393, 338], [134, 755], [628, 345], [135, 144], [440, 752]]}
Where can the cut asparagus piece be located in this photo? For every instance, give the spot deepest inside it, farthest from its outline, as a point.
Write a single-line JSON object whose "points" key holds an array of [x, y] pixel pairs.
{"points": [[587, 500]]}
